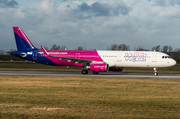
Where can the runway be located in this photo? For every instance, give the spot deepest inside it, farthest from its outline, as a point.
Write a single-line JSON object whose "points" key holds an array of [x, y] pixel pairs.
{"points": [[100, 75]]}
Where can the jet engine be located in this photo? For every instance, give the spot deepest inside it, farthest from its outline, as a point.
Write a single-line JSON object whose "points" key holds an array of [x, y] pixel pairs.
{"points": [[116, 68], [101, 67]]}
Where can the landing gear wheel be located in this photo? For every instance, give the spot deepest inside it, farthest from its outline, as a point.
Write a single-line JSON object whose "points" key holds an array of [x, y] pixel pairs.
{"points": [[156, 74], [94, 72], [84, 71]]}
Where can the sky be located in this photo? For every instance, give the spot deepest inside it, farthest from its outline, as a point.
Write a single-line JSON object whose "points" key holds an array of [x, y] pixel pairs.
{"points": [[98, 23]]}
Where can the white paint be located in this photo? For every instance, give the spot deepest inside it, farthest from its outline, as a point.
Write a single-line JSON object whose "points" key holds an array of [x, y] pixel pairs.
{"points": [[151, 60]]}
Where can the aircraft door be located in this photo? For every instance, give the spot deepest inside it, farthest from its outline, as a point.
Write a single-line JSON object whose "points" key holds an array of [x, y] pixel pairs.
{"points": [[119, 58], [154, 57], [35, 55], [77, 56]]}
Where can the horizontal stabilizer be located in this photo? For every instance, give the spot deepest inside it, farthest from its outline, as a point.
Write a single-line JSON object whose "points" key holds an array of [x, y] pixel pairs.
{"points": [[18, 54]]}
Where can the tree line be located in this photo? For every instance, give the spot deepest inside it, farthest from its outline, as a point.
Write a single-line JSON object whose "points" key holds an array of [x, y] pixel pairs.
{"points": [[165, 49], [63, 47]]}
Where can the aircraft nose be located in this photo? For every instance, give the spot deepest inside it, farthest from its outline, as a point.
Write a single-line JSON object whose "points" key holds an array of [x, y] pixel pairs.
{"points": [[173, 62]]}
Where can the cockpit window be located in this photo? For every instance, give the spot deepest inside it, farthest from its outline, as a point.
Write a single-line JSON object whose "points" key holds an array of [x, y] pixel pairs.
{"points": [[165, 57]]}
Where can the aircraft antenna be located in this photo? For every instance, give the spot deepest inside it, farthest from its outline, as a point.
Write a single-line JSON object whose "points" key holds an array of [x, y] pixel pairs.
{"points": [[84, 46], [77, 46]]}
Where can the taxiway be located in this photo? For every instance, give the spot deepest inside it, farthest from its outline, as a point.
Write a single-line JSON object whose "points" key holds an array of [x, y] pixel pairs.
{"points": [[101, 75]]}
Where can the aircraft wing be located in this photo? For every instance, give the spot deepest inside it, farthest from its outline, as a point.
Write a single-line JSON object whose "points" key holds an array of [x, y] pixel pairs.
{"points": [[72, 59], [82, 61]]}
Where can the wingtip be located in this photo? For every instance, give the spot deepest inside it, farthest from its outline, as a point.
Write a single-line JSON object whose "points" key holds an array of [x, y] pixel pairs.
{"points": [[41, 47], [45, 52]]}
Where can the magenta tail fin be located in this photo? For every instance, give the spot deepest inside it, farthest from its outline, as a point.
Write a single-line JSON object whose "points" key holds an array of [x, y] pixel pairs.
{"points": [[22, 41]]}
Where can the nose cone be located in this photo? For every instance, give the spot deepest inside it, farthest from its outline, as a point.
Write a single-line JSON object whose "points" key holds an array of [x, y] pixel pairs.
{"points": [[173, 62]]}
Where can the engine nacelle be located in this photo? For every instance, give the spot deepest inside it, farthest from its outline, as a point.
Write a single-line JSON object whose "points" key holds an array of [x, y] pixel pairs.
{"points": [[99, 67], [116, 68]]}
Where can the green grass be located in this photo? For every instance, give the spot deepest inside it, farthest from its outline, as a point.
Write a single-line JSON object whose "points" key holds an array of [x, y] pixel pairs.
{"points": [[9, 57], [82, 98], [175, 69]]}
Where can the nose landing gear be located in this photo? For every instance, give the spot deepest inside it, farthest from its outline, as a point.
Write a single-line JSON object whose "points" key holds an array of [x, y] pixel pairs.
{"points": [[155, 72]]}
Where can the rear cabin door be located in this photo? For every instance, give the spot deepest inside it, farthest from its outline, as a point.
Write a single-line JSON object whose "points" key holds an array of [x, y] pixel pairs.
{"points": [[35, 55], [77, 56], [119, 58]]}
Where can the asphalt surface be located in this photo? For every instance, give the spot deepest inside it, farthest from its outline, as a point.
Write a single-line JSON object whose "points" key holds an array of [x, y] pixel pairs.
{"points": [[101, 75]]}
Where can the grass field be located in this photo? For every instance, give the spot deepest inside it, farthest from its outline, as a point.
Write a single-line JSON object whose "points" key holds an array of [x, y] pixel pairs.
{"points": [[82, 98]]}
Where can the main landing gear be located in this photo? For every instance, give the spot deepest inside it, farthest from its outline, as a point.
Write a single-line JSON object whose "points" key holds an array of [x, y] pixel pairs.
{"points": [[155, 72], [84, 71]]}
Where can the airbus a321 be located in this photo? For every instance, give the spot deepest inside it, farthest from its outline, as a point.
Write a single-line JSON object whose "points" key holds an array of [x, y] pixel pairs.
{"points": [[96, 61]]}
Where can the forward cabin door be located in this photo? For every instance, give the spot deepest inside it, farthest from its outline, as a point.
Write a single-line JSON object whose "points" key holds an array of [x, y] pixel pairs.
{"points": [[35, 55], [154, 57], [77, 56], [119, 58]]}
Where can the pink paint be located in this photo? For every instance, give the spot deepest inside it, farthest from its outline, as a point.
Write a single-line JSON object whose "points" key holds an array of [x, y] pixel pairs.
{"points": [[79, 65], [20, 32], [99, 67], [76, 54]]}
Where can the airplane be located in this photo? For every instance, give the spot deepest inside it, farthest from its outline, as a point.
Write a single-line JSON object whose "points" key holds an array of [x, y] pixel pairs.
{"points": [[94, 60]]}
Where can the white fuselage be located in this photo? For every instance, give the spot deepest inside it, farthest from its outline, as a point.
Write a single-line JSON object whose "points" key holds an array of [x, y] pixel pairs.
{"points": [[136, 59]]}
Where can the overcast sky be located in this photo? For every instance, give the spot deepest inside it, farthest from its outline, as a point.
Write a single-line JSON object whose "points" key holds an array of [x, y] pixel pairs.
{"points": [[98, 23]]}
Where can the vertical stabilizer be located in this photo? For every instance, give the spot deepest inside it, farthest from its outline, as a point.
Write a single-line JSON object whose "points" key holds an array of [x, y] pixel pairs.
{"points": [[22, 41]]}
